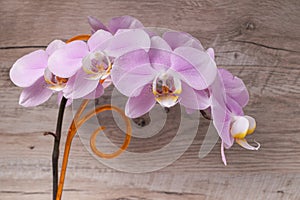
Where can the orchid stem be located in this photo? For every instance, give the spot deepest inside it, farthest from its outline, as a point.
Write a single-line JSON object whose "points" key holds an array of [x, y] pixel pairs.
{"points": [[55, 153], [50, 133]]}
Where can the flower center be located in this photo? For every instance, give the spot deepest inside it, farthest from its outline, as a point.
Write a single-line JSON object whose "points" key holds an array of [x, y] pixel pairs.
{"points": [[166, 89], [97, 65], [55, 83]]}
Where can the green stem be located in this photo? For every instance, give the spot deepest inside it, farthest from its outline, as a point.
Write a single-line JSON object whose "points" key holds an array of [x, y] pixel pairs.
{"points": [[55, 153]]}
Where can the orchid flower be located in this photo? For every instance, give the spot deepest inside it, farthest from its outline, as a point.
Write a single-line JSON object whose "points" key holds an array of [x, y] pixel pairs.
{"points": [[31, 72], [123, 22], [229, 95], [176, 69], [89, 63], [239, 128]]}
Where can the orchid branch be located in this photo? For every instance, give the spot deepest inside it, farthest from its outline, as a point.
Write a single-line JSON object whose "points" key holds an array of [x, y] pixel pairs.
{"points": [[55, 153]]}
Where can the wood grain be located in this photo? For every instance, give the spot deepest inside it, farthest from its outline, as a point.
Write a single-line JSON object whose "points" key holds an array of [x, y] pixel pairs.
{"points": [[257, 41]]}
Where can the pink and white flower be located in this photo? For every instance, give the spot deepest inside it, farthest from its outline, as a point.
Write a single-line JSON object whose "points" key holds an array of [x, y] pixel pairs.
{"points": [[176, 69], [89, 63], [228, 97], [31, 73]]}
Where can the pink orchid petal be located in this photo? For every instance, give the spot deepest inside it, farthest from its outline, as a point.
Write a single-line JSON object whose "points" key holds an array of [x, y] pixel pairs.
{"points": [[150, 32], [107, 82], [188, 97], [203, 99], [54, 45], [222, 125], [124, 22], [190, 111], [220, 114], [180, 39], [95, 94], [66, 61], [159, 43], [235, 87], [126, 41], [233, 106], [36, 94], [132, 71], [223, 153], [79, 85], [211, 53], [160, 59], [195, 67], [193, 99], [29, 68], [99, 40], [139, 105], [96, 24]]}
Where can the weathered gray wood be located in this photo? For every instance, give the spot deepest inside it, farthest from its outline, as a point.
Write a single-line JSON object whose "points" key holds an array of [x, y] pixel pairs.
{"points": [[258, 41]]}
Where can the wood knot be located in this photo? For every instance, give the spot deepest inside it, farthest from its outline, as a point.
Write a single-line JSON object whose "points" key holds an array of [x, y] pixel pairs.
{"points": [[31, 147], [250, 26], [236, 55]]}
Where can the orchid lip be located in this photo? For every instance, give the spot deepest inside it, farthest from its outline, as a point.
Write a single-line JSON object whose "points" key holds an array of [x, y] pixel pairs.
{"points": [[97, 65], [166, 88], [243, 143], [54, 82]]}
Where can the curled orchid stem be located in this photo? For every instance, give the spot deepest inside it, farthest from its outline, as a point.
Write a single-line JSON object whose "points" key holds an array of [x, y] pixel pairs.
{"points": [[76, 124], [84, 37], [70, 136], [96, 132]]}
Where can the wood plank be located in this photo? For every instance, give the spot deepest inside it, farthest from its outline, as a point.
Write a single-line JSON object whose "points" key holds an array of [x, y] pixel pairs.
{"points": [[241, 33], [31, 177], [258, 41]]}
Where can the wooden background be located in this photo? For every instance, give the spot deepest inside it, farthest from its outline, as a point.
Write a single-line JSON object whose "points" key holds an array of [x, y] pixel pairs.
{"points": [[257, 40]]}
